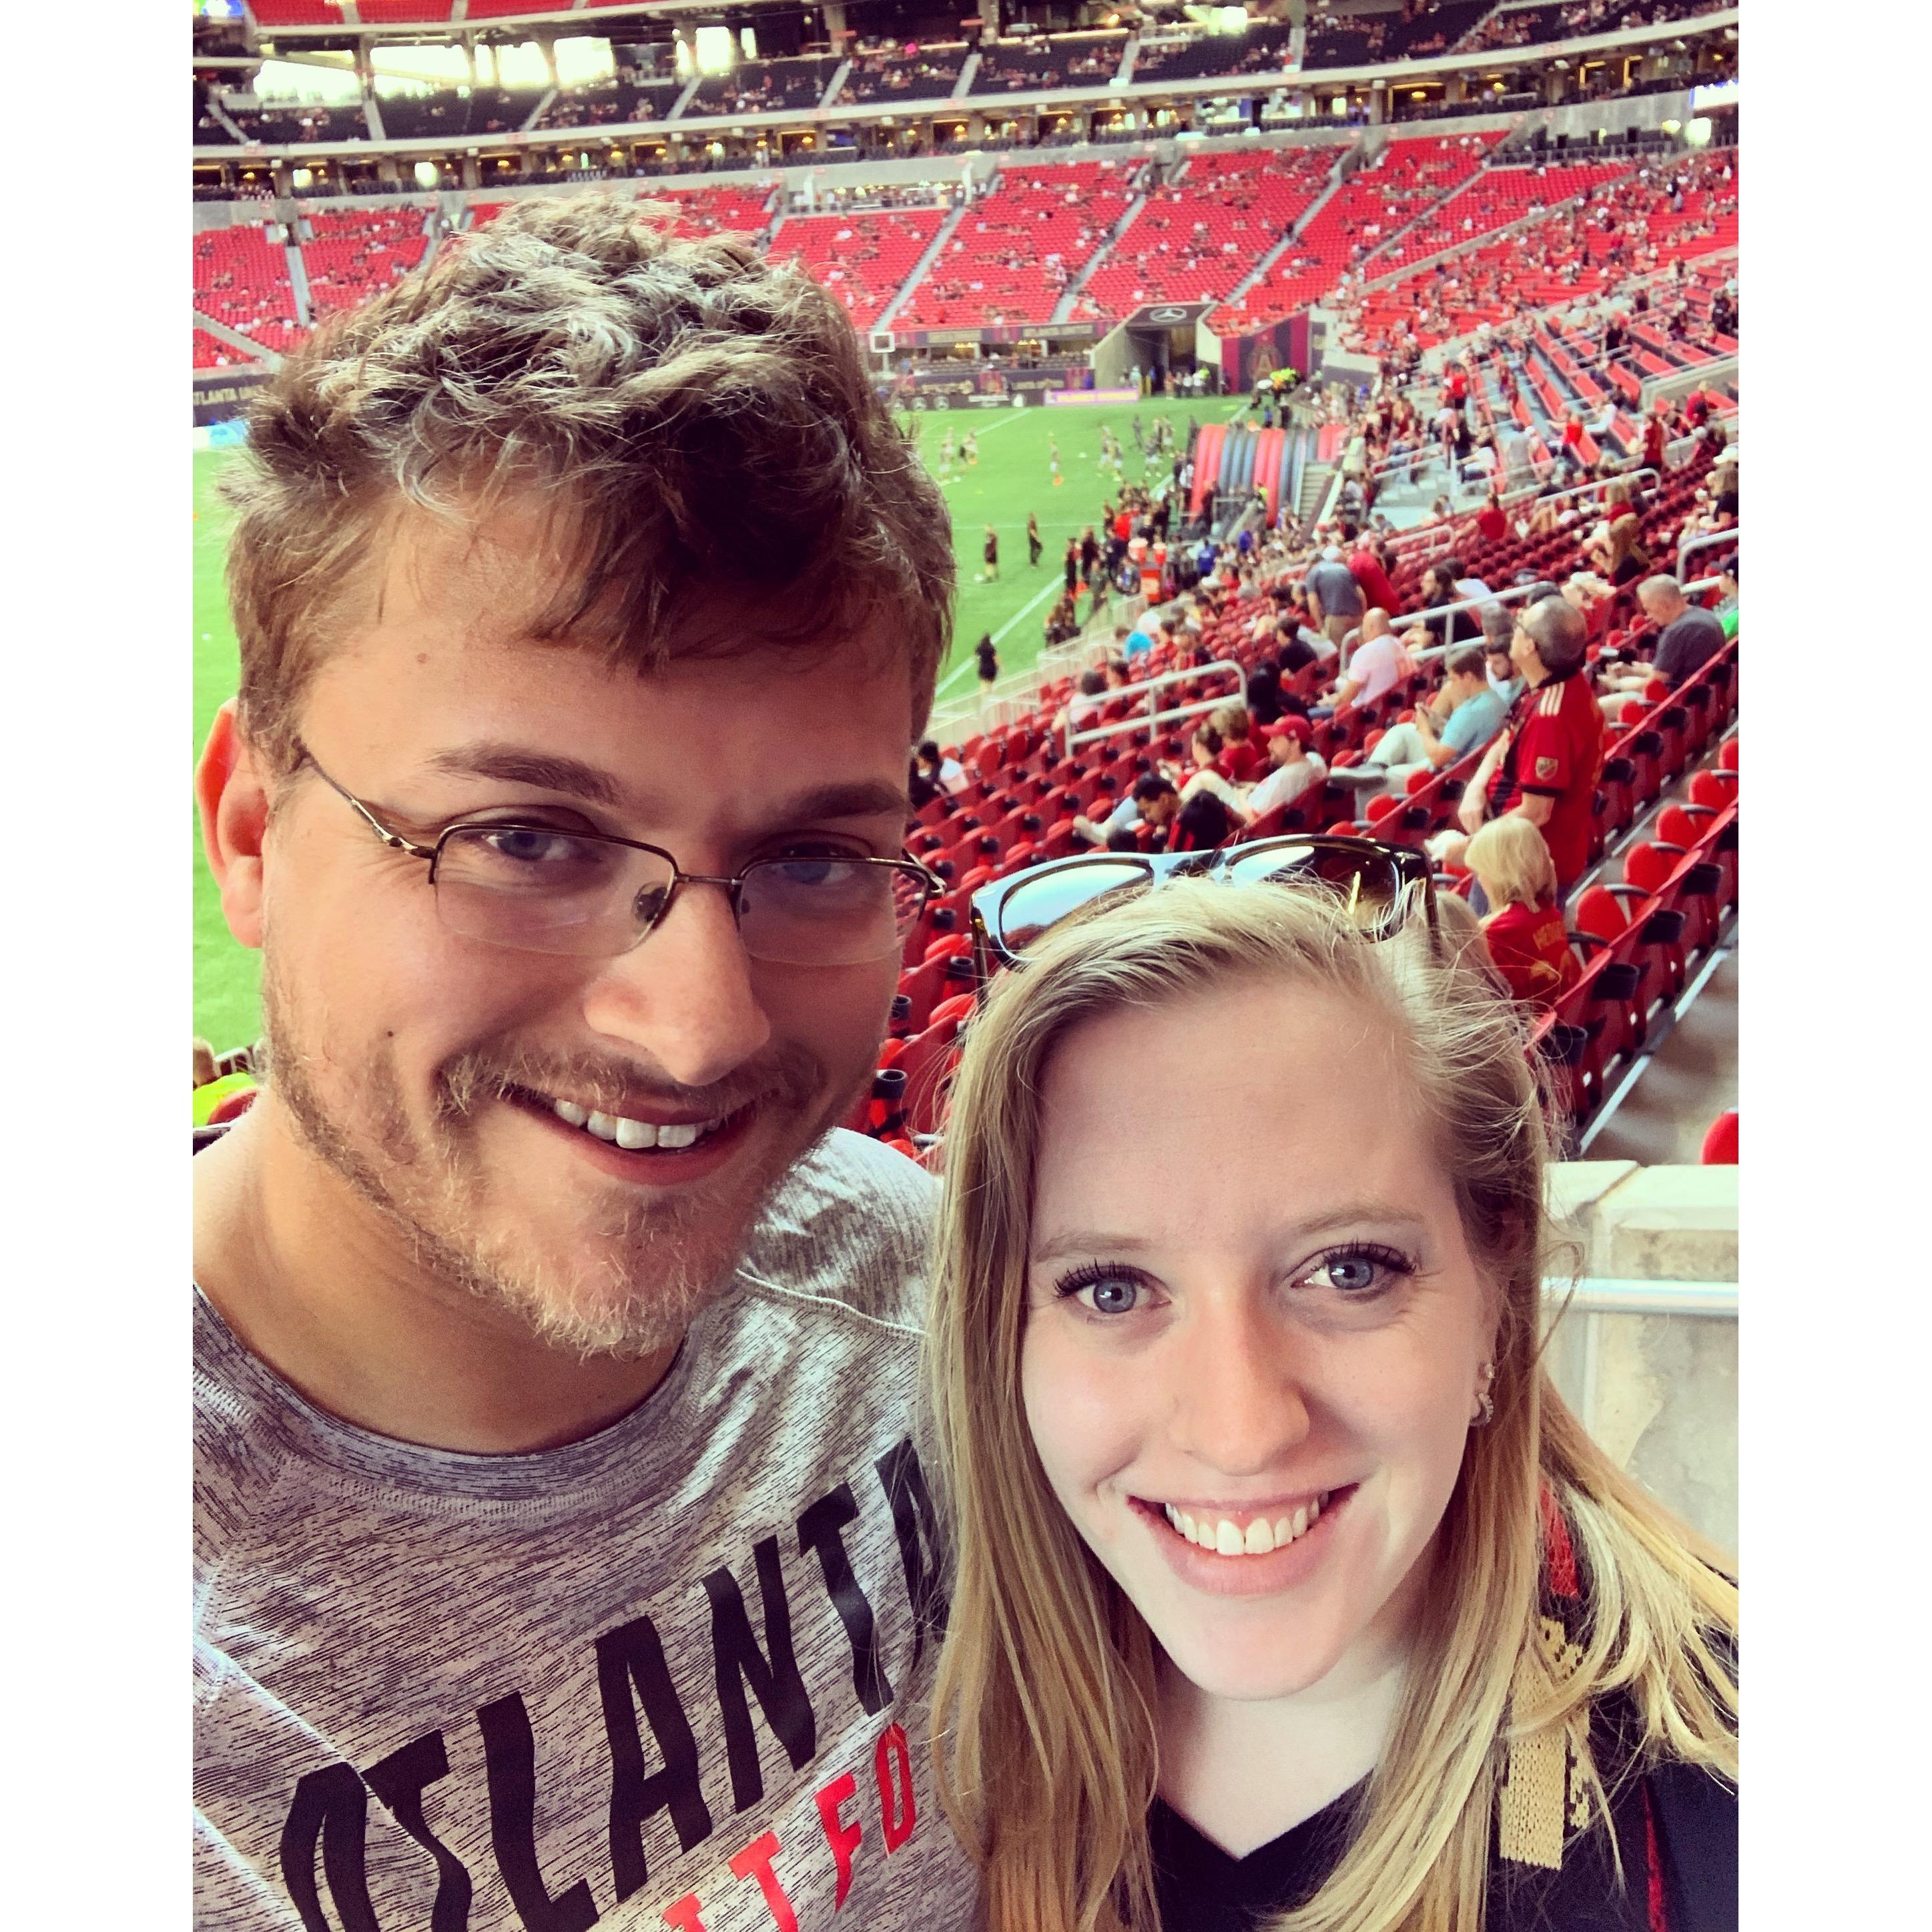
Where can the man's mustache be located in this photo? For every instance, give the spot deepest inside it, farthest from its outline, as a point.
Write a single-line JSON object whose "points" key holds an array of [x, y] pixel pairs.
{"points": [[791, 1077]]}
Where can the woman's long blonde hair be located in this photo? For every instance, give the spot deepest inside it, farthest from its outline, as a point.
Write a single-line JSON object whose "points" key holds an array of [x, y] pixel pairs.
{"points": [[1045, 1691]]}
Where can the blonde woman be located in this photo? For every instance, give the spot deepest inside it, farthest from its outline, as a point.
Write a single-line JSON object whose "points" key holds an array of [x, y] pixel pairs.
{"points": [[1524, 928], [1288, 1592]]}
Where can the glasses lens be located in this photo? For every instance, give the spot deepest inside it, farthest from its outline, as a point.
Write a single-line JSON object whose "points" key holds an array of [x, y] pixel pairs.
{"points": [[546, 891], [1046, 898], [1368, 883], [827, 911]]}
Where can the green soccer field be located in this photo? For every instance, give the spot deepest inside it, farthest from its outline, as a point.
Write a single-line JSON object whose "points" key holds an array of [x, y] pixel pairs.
{"points": [[1010, 479]]}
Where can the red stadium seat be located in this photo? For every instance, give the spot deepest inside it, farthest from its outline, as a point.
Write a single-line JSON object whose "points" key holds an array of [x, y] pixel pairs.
{"points": [[1720, 1143]]}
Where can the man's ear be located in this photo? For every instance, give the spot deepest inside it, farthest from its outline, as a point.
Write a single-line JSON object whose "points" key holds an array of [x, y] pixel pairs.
{"points": [[231, 794]]}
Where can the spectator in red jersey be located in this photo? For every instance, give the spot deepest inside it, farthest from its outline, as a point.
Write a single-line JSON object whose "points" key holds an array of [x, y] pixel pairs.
{"points": [[1524, 930], [1206, 747], [1543, 766], [1241, 760], [1365, 567], [1655, 434], [1571, 450], [1490, 519]]}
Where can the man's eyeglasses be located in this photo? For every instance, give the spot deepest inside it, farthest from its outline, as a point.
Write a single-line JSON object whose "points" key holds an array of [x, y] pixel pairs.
{"points": [[1377, 885], [590, 895]]}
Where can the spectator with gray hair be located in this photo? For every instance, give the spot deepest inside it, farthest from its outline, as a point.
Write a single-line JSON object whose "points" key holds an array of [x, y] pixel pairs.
{"points": [[1543, 765]]}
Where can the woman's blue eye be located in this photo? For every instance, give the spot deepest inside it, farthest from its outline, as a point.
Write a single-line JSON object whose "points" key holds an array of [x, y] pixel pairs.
{"points": [[1351, 1272], [1360, 1272], [1102, 1290]]}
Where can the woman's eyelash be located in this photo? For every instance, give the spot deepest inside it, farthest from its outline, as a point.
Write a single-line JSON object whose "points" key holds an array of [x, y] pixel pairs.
{"points": [[1391, 1259], [1091, 1274]]}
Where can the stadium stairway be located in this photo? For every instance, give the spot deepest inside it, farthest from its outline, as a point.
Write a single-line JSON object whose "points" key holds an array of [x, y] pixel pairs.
{"points": [[298, 282], [1659, 1116], [253, 352], [963, 85], [684, 99], [1238, 293], [1129, 54], [1063, 309], [948, 229], [832, 85]]}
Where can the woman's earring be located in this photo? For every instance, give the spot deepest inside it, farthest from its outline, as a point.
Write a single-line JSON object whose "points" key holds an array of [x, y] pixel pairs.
{"points": [[1486, 1407]]}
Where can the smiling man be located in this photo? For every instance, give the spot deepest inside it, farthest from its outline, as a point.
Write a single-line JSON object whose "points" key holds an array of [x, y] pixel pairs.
{"points": [[563, 1559]]}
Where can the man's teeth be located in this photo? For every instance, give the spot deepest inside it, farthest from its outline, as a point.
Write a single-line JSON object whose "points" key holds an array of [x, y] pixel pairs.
{"points": [[1227, 1539], [632, 1135]]}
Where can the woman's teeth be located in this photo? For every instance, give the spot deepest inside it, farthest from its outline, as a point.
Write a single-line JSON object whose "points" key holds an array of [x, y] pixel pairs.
{"points": [[1226, 1539], [633, 1134]]}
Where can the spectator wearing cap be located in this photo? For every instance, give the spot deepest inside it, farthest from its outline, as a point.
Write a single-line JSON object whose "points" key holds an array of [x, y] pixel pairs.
{"points": [[1334, 597], [1293, 767]]}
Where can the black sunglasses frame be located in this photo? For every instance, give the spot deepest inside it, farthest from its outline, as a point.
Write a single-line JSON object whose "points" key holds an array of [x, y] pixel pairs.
{"points": [[990, 953]]}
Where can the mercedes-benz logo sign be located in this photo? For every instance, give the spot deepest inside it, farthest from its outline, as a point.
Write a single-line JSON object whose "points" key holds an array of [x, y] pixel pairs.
{"points": [[1167, 315]]}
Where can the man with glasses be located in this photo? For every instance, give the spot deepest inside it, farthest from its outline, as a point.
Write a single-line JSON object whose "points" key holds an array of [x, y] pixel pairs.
{"points": [[1543, 765], [563, 1555]]}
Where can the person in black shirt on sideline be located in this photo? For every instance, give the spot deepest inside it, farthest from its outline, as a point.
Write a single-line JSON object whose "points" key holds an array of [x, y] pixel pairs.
{"points": [[1284, 1575]]}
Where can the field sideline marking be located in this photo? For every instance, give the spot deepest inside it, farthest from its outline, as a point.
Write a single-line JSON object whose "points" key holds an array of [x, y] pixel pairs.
{"points": [[1057, 584]]}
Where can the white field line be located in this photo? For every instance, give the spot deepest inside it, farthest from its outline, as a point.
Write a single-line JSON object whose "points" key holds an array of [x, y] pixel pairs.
{"points": [[965, 665]]}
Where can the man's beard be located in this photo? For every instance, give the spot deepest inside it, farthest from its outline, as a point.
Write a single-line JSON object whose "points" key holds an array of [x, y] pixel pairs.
{"points": [[638, 1271]]}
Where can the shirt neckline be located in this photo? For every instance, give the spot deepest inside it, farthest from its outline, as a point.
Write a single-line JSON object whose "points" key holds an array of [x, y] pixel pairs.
{"points": [[631, 1447]]}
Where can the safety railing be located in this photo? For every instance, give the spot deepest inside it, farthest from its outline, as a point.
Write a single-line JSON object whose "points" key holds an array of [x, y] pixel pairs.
{"points": [[1533, 491], [1515, 594], [1597, 1294], [1708, 541], [1154, 718]]}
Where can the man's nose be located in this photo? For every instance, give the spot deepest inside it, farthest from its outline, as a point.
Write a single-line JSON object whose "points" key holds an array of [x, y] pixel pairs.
{"points": [[685, 993]]}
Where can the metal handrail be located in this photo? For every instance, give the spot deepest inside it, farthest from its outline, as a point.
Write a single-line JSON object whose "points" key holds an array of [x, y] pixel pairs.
{"points": [[1515, 594], [1580, 489], [1599, 1294], [1709, 540], [1154, 717]]}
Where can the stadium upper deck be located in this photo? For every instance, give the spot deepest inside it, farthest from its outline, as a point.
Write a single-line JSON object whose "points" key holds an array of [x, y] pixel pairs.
{"points": [[869, 99]]}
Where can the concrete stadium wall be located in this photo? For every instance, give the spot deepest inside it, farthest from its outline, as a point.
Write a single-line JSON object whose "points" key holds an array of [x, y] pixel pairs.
{"points": [[1657, 1389]]}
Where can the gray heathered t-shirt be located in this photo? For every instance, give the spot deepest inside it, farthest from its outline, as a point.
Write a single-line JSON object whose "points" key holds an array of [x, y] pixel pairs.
{"points": [[1335, 584], [672, 1675]]}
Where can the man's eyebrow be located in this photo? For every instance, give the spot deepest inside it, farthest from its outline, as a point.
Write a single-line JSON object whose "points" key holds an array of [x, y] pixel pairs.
{"points": [[514, 764], [547, 771], [865, 798]]}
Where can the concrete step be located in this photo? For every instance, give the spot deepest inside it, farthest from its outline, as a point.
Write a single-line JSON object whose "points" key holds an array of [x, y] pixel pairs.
{"points": [[948, 229], [242, 344], [1063, 309]]}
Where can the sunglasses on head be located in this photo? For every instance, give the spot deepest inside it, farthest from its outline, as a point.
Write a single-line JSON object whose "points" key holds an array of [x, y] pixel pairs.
{"points": [[1377, 886]]}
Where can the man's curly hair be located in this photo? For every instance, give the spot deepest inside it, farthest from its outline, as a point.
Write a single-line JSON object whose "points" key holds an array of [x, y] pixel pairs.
{"points": [[696, 425]]}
